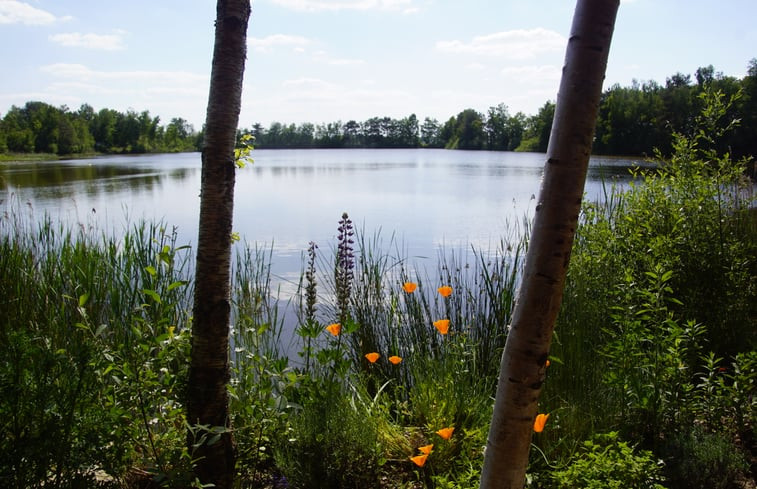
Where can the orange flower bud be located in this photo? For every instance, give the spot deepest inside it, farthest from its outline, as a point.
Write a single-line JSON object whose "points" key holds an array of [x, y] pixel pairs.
{"points": [[540, 421]]}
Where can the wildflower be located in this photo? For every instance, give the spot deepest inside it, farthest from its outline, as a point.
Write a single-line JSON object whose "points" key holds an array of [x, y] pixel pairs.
{"points": [[445, 290], [344, 272], [442, 325], [419, 460], [334, 329], [409, 287], [395, 359], [546, 364], [171, 329], [540, 421], [426, 449], [446, 433], [372, 357]]}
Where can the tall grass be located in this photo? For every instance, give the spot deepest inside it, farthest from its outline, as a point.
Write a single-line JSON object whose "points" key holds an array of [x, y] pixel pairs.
{"points": [[70, 303]]}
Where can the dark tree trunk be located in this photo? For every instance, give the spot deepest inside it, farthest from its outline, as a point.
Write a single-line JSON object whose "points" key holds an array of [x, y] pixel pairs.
{"points": [[523, 366], [208, 400]]}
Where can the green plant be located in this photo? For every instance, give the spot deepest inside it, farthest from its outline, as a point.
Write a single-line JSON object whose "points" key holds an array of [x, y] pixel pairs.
{"points": [[697, 459], [332, 442], [606, 462], [726, 395], [262, 380], [660, 273], [650, 354], [92, 339]]}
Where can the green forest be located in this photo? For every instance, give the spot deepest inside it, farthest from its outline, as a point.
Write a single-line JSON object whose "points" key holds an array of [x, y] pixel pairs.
{"points": [[633, 121], [38, 127]]}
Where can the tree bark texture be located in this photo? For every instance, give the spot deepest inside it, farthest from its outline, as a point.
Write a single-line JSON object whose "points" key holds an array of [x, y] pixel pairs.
{"points": [[207, 396], [523, 365]]}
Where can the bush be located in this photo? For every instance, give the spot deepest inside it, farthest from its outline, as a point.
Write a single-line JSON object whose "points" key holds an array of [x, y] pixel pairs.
{"points": [[700, 460], [605, 462]]}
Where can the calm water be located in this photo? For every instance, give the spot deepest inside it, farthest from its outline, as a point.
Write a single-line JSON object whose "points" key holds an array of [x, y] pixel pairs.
{"points": [[425, 198]]}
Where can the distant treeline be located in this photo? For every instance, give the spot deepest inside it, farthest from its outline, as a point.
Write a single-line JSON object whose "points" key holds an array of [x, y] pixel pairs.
{"points": [[632, 121], [38, 127]]}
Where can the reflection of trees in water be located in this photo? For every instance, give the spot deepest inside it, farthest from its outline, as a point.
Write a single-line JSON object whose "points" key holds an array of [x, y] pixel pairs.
{"points": [[52, 180]]}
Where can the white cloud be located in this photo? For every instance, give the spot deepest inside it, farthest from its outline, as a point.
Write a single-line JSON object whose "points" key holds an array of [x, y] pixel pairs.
{"points": [[515, 44], [84, 73], [167, 93], [312, 85], [323, 58], [405, 6], [106, 42], [331, 101], [263, 44], [545, 74], [14, 12]]}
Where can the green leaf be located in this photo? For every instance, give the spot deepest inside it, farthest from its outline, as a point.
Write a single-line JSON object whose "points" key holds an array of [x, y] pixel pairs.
{"points": [[178, 283], [152, 294]]}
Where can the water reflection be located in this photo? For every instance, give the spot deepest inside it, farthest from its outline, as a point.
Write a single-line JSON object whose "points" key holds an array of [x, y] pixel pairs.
{"points": [[290, 197]]}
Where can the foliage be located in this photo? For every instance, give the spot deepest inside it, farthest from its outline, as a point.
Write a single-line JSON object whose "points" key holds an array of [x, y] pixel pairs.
{"points": [[606, 462], [662, 285], [704, 460], [650, 355], [94, 349], [38, 127]]}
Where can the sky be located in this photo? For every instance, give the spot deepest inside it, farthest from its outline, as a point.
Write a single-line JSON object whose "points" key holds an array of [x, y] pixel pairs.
{"points": [[322, 61]]}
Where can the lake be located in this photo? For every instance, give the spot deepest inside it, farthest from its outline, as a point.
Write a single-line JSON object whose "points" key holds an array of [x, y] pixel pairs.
{"points": [[427, 199]]}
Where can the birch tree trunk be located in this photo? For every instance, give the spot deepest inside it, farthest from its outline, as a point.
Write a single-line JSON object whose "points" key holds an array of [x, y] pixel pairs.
{"points": [[207, 397], [523, 367]]}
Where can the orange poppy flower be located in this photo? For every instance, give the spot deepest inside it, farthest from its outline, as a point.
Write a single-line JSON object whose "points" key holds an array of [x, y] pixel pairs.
{"points": [[540, 421], [426, 449], [409, 287], [419, 460], [334, 329], [395, 359], [372, 357], [442, 325], [445, 290], [446, 433]]}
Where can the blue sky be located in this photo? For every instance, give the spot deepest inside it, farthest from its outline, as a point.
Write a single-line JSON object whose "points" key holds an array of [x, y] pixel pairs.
{"points": [[326, 60]]}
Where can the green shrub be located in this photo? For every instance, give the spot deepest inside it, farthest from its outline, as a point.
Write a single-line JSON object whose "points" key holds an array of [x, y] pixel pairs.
{"points": [[698, 459], [331, 443], [605, 462]]}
